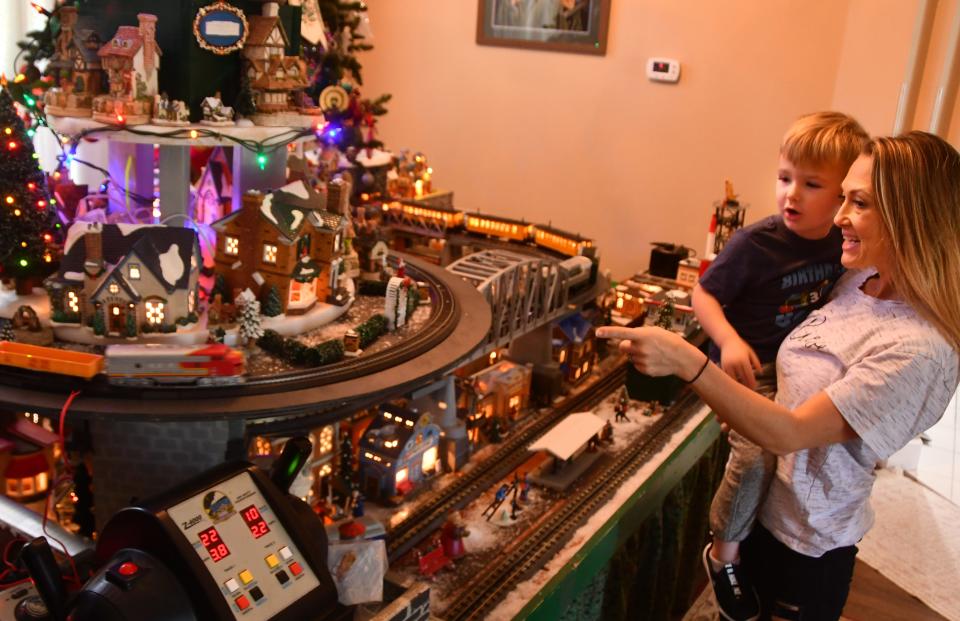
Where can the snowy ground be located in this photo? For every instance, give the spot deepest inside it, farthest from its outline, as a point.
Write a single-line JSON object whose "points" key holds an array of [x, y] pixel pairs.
{"points": [[489, 538]]}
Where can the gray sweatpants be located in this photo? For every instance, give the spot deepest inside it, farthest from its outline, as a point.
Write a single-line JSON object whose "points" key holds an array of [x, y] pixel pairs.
{"points": [[746, 478]]}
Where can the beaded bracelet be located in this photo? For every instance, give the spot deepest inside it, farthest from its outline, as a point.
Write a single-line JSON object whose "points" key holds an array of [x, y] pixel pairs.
{"points": [[700, 372]]}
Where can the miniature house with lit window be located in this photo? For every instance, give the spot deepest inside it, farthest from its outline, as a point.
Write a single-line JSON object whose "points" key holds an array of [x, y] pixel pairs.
{"points": [[574, 348], [27, 455], [125, 279], [502, 390], [398, 451], [273, 76], [284, 240], [75, 67]]}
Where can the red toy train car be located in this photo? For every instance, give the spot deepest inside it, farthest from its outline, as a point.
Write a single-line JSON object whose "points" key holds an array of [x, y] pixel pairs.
{"points": [[174, 364]]}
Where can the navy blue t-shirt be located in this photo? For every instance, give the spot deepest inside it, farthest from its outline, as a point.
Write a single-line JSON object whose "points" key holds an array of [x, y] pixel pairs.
{"points": [[768, 279]]}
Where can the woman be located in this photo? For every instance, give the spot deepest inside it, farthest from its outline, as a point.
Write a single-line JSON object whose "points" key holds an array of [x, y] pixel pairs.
{"points": [[857, 380]]}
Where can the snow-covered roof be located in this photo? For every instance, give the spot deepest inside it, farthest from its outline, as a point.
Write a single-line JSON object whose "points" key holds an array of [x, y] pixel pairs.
{"points": [[375, 158], [569, 435]]}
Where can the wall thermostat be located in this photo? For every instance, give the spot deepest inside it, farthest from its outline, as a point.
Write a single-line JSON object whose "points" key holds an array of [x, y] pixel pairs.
{"points": [[663, 69]]}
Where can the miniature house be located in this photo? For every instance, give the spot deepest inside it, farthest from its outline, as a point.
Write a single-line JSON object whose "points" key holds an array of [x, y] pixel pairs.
{"points": [[27, 454], [574, 348], [501, 391], [75, 67], [273, 76], [284, 240], [124, 279], [214, 192], [398, 450], [132, 60]]}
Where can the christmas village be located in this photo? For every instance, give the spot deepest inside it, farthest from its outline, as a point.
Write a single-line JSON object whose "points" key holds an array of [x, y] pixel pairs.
{"points": [[270, 248]]}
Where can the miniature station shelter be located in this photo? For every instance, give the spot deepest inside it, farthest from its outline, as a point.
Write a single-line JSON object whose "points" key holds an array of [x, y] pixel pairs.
{"points": [[567, 445]]}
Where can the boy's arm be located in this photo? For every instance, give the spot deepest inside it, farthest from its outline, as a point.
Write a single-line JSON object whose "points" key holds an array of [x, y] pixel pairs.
{"points": [[737, 358]]}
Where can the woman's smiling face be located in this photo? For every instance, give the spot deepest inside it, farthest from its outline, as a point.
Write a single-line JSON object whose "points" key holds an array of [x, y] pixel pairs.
{"points": [[864, 241]]}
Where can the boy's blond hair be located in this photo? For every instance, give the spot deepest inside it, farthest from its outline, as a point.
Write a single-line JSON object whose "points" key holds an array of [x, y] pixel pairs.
{"points": [[824, 138]]}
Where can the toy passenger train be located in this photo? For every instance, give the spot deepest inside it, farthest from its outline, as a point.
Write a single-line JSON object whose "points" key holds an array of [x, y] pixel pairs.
{"points": [[138, 365], [543, 236]]}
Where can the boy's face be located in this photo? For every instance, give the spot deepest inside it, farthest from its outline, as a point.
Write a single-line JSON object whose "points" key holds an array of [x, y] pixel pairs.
{"points": [[808, 197]]}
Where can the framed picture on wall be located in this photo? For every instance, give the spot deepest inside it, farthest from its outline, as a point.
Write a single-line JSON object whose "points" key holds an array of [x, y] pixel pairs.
{"points": [[578, 26]]}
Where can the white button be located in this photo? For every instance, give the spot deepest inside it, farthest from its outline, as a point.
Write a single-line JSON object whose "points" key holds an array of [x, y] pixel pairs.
{"points": [[232, 585], [285, 553]]}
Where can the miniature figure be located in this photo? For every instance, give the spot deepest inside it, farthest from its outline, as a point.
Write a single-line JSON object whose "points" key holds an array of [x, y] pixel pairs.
{"points": [[623, 403], [215, 113], [498, 498], [167, 112], [452, 535]]}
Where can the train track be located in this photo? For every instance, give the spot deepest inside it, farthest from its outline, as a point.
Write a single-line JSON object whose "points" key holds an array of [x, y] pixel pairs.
{"points": [[551, 533], [444, 315], [509, 455]]}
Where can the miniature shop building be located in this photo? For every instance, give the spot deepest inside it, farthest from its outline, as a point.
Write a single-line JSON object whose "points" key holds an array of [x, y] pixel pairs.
{"points": [[131, 59], [214, 193], [500, 391], [284, 240], [132, 278], [75, 68], [574, 347], [27, 456], [272, 74], [398, 451]]}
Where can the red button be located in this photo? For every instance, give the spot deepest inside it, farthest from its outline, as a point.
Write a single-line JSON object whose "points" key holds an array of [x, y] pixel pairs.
{"points": [[295, 568], [242, 602], [127, 569]]}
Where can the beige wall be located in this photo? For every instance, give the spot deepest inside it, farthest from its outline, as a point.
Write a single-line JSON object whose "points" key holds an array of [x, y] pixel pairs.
{"points": [[588, 142]]}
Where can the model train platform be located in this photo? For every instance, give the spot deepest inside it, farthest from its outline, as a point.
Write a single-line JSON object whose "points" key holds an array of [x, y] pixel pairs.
{"points": [[567, 444]]}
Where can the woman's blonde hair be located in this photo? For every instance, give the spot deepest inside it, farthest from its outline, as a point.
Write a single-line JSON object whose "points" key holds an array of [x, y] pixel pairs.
{"points": [[916, 182], [824, 138]]}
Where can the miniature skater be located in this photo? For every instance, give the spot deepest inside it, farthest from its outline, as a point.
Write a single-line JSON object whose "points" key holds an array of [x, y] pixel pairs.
{"points": [[766, 280], [623, 402]]}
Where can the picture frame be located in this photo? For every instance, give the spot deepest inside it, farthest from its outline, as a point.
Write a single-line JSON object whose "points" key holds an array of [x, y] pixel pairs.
{"points": [[577, 26], [220, 28]]}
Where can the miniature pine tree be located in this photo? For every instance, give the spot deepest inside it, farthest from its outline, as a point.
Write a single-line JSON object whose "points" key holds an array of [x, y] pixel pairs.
{"points": [[220, 286], [245, 105], [27, 215], [250, 329], [665, 316], [271, 304], [99, 327], [6, 330], [131, 325]]}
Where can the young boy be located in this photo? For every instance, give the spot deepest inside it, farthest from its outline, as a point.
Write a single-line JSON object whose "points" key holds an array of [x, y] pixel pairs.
{"points": [[766, 280]]}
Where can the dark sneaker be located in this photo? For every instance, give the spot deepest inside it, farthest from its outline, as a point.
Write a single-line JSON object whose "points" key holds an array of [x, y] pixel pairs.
{"points": [[736, 598]]}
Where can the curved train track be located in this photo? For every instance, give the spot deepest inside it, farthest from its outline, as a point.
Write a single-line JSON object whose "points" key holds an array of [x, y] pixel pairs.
{"points": [[536, 546], [509, 456], [444, 315]]}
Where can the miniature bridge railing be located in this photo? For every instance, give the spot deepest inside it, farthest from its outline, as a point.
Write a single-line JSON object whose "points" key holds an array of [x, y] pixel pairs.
{"points": [[524, 292]]}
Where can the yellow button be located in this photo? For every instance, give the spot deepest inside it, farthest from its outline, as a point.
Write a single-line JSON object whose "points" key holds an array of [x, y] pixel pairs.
{"points": [[272, 560], [246, 577]]}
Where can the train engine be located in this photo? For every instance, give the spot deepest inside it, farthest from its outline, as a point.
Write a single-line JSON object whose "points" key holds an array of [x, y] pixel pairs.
{"points": [[151, 364]]}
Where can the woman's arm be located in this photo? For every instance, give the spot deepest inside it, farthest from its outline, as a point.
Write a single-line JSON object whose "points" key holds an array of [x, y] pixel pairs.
{"points": [[816, 422]]}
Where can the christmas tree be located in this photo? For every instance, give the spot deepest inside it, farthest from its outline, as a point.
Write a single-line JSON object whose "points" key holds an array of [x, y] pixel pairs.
{"points": [[250, 329], [333, 62], [28, 224]]}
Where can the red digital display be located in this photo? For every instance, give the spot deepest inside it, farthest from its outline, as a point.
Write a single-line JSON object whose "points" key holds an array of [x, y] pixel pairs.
{"points": [[255, 522], [215, 546]]}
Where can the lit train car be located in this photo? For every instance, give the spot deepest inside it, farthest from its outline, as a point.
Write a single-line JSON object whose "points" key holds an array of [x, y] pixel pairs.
{"points": [[50, 359], [174, 364], [565, 243], [497, 226], [444, 217]]}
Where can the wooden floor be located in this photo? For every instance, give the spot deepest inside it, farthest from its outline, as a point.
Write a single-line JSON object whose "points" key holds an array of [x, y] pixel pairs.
{"points": [[874, 598]]}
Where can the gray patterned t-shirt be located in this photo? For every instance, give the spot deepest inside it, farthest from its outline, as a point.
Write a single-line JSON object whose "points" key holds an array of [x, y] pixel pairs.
{"points": [[891, 376]]}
